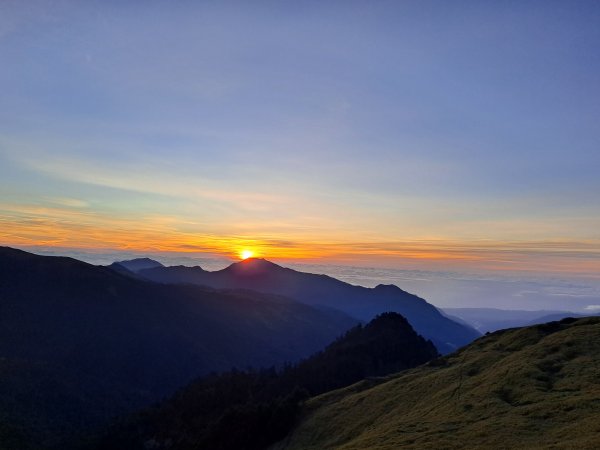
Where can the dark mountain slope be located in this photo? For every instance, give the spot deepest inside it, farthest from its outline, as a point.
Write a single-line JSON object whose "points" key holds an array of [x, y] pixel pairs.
{"points": [[534, 387], [250, 410], [79, 343], [360, 302]]}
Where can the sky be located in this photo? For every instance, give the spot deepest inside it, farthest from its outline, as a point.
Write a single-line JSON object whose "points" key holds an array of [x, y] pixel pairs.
{"points": [[414, 135]]}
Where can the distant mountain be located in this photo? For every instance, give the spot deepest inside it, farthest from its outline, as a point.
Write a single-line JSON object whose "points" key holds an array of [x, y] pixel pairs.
{"points": [[491, 319], [357, 301], [81, 343], [135, 265], [554, 317], [251, 410], [534, 387]]}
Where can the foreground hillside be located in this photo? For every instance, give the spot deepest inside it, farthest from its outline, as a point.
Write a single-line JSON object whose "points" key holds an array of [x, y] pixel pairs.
{"points": [[535, 387], [80, 343]]}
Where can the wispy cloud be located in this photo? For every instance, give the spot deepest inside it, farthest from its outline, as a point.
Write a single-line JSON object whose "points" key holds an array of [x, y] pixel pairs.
{"points": [[69, 202]]}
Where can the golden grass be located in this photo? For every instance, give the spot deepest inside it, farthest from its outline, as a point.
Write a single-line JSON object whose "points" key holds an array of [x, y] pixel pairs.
{"points": [[535, 387]]}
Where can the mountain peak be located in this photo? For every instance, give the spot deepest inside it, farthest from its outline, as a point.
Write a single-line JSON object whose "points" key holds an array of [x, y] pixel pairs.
{"points": [[389, 288], [253, 265], [389, 319]]}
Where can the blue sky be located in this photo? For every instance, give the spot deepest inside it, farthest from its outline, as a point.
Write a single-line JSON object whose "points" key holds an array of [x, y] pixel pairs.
{"points": [[349, 131]]}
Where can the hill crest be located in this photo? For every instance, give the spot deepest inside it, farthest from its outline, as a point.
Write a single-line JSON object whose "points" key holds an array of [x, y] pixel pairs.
{"points": [[533, 387]]}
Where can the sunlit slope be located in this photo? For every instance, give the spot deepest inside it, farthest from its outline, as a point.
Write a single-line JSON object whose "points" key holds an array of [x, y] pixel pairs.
{"points": [[535, 387]]}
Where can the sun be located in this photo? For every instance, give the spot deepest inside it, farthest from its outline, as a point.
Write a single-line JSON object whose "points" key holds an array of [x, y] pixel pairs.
{"points": [[245, 254]]}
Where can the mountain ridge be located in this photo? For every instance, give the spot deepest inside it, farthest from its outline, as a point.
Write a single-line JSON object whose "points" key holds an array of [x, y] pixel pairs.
{"points": [[107, 343], [322, 290], [137, 264]]}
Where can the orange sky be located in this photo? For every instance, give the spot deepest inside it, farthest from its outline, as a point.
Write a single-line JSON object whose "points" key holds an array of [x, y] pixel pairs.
{"points": [[69, 227]]}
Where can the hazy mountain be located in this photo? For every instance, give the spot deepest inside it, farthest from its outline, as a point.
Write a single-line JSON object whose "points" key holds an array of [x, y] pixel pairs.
{"points": [[251, 410], [79, 343], [491, 319], [360, 302], [534, 387], [555, 317], [135, 265]]}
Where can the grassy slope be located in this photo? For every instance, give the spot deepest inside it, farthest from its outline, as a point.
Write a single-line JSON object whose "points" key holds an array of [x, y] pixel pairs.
{"points": [[535, 387]]}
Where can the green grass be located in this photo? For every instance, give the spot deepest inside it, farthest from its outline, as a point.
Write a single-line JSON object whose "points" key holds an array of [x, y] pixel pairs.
{"points": [[534, 387]]}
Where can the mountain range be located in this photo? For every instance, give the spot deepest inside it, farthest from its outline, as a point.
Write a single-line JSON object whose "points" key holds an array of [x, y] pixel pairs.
{"points": [[319, 291], [80, 343]]}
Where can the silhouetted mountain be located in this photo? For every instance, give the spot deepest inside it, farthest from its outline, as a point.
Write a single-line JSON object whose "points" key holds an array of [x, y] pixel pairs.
{"points": [[360, 302], [491, 319], [525, 388], [251, 410], [80, 343], [135, 265]]}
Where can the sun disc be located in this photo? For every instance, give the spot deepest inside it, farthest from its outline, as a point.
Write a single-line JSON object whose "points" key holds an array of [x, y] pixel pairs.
{"points": [[245, 254]]}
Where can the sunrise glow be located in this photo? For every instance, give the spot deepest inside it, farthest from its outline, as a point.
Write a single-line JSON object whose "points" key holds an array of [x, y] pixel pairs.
{"points": [[245, 254]]}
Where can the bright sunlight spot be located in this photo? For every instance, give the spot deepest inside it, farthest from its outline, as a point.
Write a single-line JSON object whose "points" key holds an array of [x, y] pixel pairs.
{"points": [[245, 254]]}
